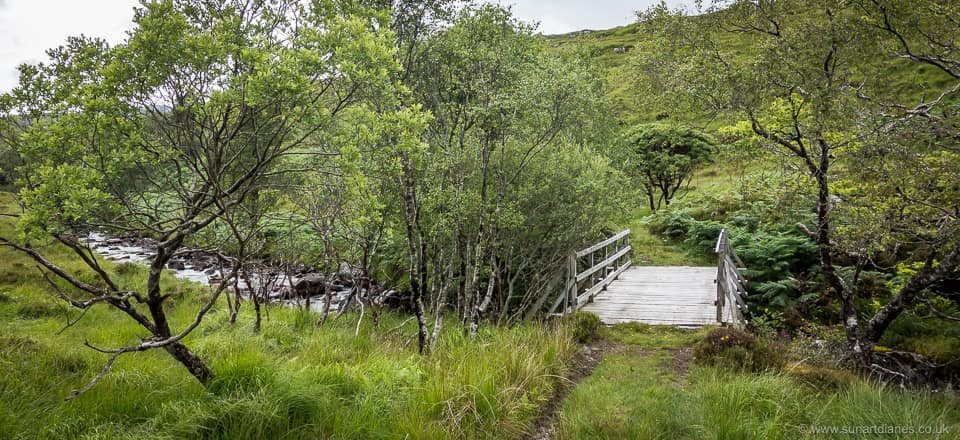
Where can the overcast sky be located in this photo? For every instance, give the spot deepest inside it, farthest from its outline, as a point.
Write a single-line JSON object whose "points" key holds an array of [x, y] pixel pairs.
{"points": [[29, 27]]}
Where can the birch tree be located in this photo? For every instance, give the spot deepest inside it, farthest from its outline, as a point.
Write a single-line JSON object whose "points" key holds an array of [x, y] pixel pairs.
{"points": [[174, 128]]}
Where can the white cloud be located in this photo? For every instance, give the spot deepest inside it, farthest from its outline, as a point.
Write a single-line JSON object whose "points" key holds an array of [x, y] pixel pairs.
{"points": [[29, 27], [562, 16]]}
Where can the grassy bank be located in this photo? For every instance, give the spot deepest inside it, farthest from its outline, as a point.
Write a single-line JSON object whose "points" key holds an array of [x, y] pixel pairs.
{"points": [[292, 380], [648, 386]]}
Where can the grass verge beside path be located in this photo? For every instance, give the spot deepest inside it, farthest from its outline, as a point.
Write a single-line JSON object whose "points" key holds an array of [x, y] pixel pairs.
{"points": [[648, 388]]}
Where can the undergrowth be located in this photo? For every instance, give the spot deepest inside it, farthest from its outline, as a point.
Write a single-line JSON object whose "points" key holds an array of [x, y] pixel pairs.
{"points": [[290, 380], [646, 390]]}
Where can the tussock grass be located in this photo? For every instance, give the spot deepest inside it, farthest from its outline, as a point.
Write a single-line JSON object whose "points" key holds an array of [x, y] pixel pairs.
{"points": [[637, 392], [291, 380], [285, 383]]}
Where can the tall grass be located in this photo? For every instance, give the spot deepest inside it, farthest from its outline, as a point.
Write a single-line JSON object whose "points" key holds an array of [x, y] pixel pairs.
{"points": [[285, 382], [638, 392], [282, 383], [290, 380]]}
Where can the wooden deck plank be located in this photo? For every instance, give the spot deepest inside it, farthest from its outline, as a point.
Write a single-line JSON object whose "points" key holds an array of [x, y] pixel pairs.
{"points": [[659, 295]]}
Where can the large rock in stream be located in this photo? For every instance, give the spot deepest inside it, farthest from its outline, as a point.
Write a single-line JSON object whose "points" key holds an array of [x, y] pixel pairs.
{"points": [[310, 285]]}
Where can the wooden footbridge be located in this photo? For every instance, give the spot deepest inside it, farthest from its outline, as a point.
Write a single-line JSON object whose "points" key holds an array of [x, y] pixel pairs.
{"points": [[600, 279]]}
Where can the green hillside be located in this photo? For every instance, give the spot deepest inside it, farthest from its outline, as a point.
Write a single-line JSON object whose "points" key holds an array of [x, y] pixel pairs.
{"points": [[610, 49], [613, 49]]}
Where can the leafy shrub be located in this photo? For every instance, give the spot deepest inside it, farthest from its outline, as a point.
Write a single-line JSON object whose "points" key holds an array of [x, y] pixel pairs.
{"points": [[767, 323], [15, 273], [822, 378], [702, 235], [128, 268], [37, 309], [769, 257], [727, 347], [586, 326], [698, 235], [18, 344], [781, 265]]}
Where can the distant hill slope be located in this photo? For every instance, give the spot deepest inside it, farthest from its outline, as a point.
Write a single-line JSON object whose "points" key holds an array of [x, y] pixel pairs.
{"points": [[612, 49], [605, 46]]}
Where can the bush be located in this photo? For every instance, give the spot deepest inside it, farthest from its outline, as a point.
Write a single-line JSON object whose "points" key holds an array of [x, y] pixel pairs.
{"points": [[16, 273], [782, 263], [821, 378], [586, 326], [37, 309], [18, 344], [68, 362], [727, 347]]}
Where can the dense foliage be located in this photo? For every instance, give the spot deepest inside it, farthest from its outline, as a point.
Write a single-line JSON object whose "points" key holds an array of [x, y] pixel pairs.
{"points": [[663, 158], [801, 88], [438, 152]]}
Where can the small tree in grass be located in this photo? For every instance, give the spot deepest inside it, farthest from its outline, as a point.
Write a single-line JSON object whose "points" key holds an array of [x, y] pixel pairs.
{"points": [[663, 159]]}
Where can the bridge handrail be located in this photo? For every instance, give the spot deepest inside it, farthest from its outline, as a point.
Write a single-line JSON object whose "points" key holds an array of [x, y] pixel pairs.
{"points": [[602, 244], [581, 286], [731, 285]]}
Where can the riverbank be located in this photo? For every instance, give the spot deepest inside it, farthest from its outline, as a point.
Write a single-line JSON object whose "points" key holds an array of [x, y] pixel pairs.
{"points": [[292, 379], [293, 286]]}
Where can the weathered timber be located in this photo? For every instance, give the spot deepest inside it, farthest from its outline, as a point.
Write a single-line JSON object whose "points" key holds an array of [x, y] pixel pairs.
{"points": [[659, 295], [731, 290], [625, 234]]}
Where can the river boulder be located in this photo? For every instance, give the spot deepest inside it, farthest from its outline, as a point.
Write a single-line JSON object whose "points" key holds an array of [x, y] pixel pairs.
{"points": [[310, 285]]}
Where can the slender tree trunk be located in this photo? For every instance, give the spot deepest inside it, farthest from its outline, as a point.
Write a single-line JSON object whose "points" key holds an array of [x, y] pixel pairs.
{"points": [[230, 306], [649, 191], [235, 310], [481, 306], [255, 298], [327, 299], [441, 302], [414, 248], [463, 253], [478, 263], [463, 283], [161, 327], [825, 246], [258, 319]]}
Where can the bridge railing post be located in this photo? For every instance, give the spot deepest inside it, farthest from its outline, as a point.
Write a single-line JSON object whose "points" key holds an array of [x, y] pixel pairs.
{"points": [[731, 285], [571, 286], [721, 296]]}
